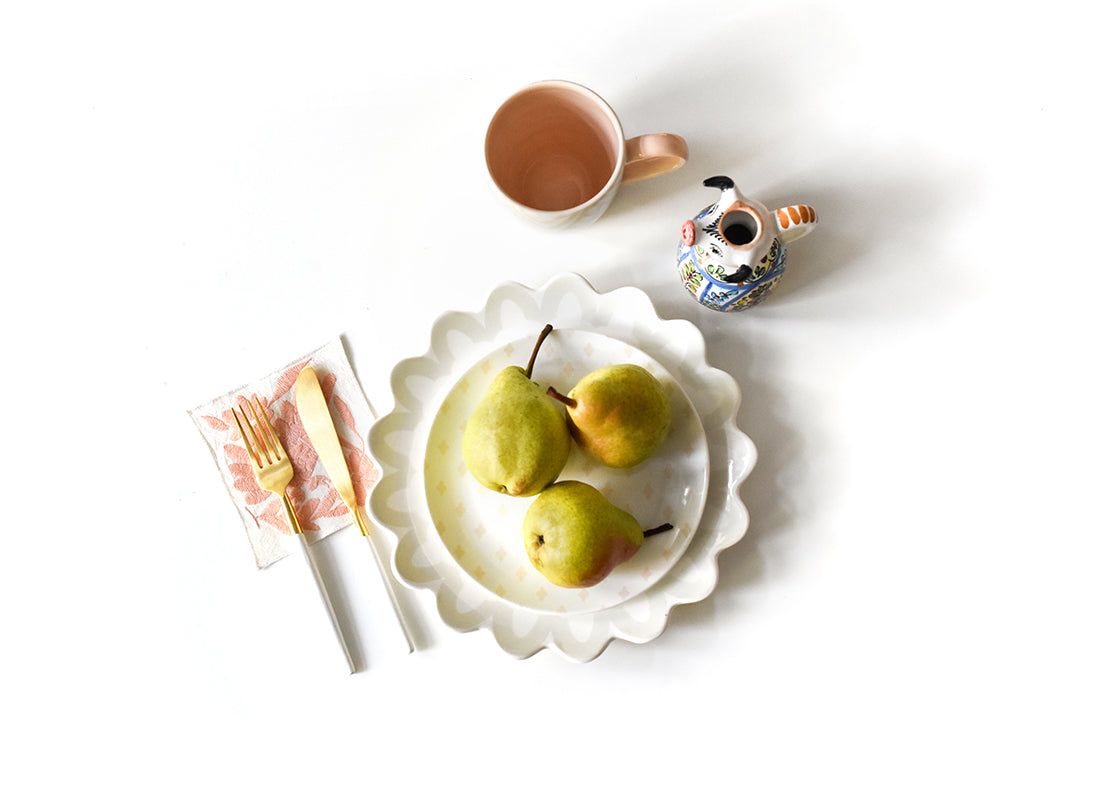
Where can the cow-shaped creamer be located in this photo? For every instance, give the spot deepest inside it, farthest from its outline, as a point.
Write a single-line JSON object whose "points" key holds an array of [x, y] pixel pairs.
{"points": [[733, 253]]}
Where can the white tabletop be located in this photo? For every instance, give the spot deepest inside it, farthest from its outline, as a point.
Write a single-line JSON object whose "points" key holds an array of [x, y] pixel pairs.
{"points": [[925, 602]]}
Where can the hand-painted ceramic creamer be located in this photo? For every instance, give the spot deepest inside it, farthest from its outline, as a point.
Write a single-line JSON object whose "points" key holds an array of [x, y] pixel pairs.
{"points": [[733, 253]]}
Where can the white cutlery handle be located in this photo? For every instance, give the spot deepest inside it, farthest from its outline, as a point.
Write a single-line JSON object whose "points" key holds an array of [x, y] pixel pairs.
{"points": [[386, 578], [324, 595]]}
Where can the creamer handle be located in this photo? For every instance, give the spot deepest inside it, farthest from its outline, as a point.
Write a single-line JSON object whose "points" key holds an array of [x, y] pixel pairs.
{"points": [[794, 222]]}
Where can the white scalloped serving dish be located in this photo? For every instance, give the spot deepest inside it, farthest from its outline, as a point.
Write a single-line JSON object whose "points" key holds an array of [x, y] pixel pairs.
{"points": [[463, 542]]}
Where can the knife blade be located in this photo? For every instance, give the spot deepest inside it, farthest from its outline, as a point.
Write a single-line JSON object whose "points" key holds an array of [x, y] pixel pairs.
{"points": [[319, 425]]}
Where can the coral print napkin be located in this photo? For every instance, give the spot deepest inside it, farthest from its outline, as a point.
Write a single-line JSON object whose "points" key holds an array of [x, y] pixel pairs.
{"points": [[318, 506]]}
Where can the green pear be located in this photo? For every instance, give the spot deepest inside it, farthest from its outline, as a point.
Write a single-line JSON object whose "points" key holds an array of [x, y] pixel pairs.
{"points": [[575, 536], [618, 414], [516, 441]]}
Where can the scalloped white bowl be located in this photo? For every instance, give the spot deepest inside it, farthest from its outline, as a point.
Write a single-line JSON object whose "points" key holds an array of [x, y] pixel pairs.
{"points": [[463, 543]]}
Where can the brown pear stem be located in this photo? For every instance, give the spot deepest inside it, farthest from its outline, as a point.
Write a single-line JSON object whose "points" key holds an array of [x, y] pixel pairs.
{"points": [[533, 358], [563, 398], [659, 529]]}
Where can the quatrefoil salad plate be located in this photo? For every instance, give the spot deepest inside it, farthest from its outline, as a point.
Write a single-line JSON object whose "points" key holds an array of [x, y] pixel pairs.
{"points": [[482, 528], [463, 542]]}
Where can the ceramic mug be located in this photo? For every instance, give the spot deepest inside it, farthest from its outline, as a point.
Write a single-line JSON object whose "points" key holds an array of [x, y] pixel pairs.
{"points": [[556, 151]]}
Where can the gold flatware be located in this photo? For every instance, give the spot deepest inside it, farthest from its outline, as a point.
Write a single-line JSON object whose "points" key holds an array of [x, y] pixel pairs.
{"points": [[274, 472], [318, 423]]}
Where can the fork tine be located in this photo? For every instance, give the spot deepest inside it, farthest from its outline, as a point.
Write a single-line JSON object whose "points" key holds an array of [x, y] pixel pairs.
{"points": [[244, 437], [275, 448], [265, 450]]}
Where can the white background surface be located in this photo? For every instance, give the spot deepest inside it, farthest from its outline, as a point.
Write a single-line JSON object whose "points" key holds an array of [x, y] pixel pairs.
{"points": [[925, 604]]}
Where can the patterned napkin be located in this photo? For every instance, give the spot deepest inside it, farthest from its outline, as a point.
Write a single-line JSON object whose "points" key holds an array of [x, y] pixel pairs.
{"points": [[318, 506]]}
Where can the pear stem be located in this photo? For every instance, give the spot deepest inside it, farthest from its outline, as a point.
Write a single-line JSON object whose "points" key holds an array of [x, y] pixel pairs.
{"points": [[533, 358], [563, 398], [659, 529]]}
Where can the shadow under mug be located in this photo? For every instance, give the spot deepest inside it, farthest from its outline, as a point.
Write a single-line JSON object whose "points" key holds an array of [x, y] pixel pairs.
{"points": [[556, 151]]}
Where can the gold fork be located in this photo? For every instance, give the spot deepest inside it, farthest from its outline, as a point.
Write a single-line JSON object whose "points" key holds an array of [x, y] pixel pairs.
{"points": [[274, 472]]}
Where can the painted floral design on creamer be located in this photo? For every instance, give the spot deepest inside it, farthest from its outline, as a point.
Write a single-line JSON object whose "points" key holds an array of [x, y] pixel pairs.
{"points": [[311, 491]]}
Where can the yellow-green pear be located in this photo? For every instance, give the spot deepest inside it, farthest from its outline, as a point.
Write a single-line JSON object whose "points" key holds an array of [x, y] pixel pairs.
{"points": [[575, 536], [619, 414], [516, 441]]}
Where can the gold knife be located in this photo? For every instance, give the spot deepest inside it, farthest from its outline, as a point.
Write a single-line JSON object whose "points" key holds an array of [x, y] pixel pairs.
{"points": [[317, 421]]}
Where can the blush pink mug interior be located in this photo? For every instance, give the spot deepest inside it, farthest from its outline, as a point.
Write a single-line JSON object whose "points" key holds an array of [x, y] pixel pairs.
{"points": [[557, 146]]}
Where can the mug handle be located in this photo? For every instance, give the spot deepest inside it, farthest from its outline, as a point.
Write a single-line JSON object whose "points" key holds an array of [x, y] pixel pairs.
{"points": [[794, 222], [653, 154]]}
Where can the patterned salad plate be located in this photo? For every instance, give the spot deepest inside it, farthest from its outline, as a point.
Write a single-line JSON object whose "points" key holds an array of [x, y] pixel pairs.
{"points": [[463, 542]]}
